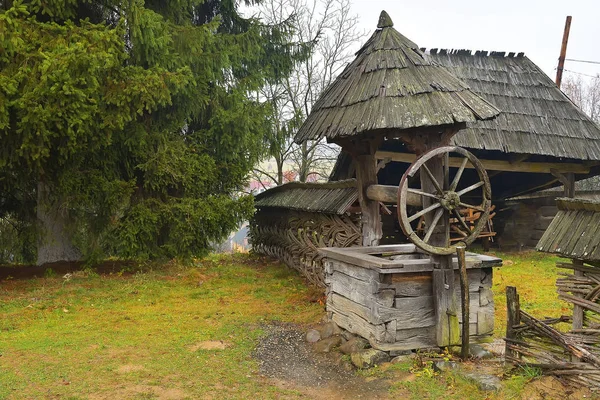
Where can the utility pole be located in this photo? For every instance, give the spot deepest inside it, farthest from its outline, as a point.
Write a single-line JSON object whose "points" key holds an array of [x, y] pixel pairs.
{"points": [[563, 52]]}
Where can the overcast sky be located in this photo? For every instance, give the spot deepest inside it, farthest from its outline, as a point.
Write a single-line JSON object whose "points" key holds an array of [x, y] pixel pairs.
{"points": [[534, 27]]}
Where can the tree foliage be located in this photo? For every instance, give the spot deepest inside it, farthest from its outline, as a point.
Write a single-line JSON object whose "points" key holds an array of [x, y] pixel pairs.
{"points": [[137, 117]]}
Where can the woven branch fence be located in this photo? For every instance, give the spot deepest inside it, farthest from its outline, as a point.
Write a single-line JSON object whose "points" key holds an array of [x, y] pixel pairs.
{"points": [[294, 237], [574, 355]]}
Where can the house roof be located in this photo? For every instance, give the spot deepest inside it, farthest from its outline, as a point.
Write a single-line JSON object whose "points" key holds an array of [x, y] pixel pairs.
{"points": [[575, 230], [330, 197], [391, 85], [536, 117]]}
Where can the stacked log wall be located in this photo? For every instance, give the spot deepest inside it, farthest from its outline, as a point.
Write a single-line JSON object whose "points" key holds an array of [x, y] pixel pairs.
{"points": [[395, 311]]}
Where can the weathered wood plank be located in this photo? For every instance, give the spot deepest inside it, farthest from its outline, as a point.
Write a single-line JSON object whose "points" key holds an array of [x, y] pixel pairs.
{"points": [[475, 278], [366, 175], [473, 305], [486, 296], [411, 285], [363, 274], [415, 338], [358, 291], [445, 304], [485, 320], [415, 312], [364, 287], [355, 324]]}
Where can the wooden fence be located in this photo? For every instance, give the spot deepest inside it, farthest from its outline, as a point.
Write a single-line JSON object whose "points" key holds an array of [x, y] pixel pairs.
{"points": [[294, 237]]}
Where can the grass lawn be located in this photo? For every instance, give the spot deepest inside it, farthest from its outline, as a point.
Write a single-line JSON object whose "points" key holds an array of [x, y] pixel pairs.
{"points": [[189, 331], [169, 332]]}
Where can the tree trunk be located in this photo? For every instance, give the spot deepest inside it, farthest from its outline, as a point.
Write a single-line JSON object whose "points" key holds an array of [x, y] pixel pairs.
{"points": [[54, 238]]}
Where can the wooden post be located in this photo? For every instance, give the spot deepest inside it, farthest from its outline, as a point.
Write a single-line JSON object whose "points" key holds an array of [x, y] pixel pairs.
{"points": [[563, 52], [366, 175], [513, 317], [570, 184], [444, 294], [464, 294], [578, 310]]}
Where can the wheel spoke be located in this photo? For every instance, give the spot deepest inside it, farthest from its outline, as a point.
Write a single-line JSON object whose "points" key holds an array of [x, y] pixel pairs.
{"points": [[470, 188], [478, 208], [436, 219], [424, 211], [461, 220], [461, 233], [446, 171], [433, 180], [454, 184], [420, 193]]}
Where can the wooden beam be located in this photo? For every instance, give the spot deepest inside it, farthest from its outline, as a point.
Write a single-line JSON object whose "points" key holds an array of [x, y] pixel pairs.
{"points": [[497, 165], [389, 194], [568, 181], [366, 175]]}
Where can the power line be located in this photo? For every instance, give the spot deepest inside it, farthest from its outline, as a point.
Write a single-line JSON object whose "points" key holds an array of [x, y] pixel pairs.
{"points": [[583, 61], [580, 73]]}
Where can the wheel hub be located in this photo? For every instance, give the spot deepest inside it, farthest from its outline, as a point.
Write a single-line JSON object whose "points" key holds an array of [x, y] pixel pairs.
{"points": [[450, 200]]}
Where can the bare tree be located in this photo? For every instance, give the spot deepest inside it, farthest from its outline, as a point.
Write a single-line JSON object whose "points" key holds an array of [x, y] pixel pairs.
{"points": [[584, 93], [330, 27]]}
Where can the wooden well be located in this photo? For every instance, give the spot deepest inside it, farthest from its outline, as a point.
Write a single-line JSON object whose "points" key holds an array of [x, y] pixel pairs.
{"points": [[386, 295]]}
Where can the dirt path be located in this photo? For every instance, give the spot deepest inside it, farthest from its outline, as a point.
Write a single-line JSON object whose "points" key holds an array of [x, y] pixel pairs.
{"points": [[290, 363]]}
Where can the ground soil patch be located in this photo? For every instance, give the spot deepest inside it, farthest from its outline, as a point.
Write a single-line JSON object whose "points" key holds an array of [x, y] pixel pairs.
{"points": [[286, 359]]}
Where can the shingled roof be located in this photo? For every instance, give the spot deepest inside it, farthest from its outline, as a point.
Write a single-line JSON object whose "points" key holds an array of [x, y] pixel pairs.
{"points": [[330, 197], [536, 118], [575, 230], [391, 84]]}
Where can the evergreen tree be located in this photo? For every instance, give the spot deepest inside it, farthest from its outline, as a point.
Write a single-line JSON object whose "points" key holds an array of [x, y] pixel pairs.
{"points": [[127, 127]]}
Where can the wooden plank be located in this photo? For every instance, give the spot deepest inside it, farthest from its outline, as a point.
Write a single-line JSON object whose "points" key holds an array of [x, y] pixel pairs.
{"points": [[495, 165], [473, 306], [575, 234], [358, 256], [406, 248], [415, 312], [366, 288], [375, 313], [363, 274], [359, 291], [366, 175], [485, 320], [474, 276], [339, 304], [486, 296], [415, 338], [390, 328], [411, 285], [354, 324], [445, 304], [472, 329]]}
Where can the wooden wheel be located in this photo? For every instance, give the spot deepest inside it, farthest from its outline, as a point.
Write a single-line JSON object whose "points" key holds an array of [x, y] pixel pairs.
{"points": [[444, 200]]}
